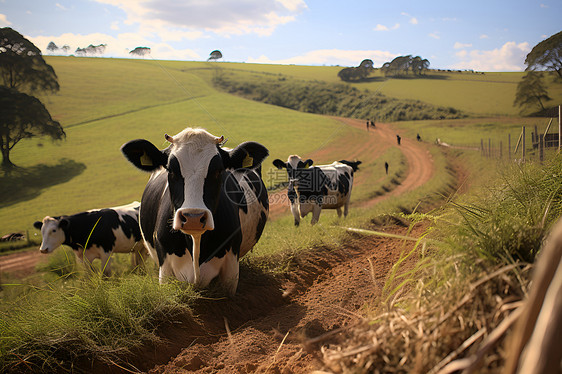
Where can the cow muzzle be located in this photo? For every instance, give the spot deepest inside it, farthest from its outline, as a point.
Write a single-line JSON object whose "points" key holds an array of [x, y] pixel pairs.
{"points": [[193, 222]]}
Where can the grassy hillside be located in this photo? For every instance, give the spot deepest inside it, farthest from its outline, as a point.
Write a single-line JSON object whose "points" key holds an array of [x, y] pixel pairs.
{"points": [[487, 94], [104, 103]]}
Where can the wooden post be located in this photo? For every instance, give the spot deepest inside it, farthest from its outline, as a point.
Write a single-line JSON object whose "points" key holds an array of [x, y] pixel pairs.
{"points": [[501, 149], [482, 146], [541, 147], [523, 144], [489, 148], [508, 145]]}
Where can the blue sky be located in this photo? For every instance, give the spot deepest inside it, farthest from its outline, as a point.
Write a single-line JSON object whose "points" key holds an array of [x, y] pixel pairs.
{"points": [[492, 35]]}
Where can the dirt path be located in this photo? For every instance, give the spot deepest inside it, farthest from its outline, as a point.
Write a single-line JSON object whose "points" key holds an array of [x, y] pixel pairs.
{"points": [[418, 158]]}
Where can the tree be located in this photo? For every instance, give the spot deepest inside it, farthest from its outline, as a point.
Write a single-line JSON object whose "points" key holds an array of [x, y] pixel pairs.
{"points": [[357, 73], [546, 55], [215, 55], [52, 47], [140, 51], [403, 64], [367, 64], [23, 117], [22, 66], [531, 91], [91, 50]]}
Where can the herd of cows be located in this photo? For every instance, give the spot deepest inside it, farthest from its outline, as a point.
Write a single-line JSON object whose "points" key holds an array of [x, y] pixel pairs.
{"points": [[204, 207]]}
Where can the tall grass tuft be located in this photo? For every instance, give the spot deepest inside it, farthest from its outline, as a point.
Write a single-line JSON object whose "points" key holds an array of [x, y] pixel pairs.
{"points": [[508, 221], [49, 328]]}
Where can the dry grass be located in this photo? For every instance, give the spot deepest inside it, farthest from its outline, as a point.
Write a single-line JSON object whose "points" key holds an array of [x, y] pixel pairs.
{"points": [[459, 325]]}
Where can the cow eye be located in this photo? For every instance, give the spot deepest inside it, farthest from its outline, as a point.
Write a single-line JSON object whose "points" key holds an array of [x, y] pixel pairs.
{"points": [[54, 230]]}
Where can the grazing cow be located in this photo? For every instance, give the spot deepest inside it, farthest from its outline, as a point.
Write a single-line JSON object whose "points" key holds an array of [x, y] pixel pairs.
{"points": [[96, 234], [203, 207], [312, 189]]}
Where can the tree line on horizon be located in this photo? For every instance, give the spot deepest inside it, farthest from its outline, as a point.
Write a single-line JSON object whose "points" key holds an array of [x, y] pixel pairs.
{"points": [[400, 65]]}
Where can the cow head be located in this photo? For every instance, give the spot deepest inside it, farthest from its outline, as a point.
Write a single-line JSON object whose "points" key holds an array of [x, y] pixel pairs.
{"points": [[293, 165], [195, 165], [52, 230]]}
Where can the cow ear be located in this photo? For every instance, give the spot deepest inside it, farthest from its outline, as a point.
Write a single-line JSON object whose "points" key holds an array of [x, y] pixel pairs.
{"points": [[246, 155], [38, 225], [144, 155], [279, 164], [64, 223], [308, 163]]}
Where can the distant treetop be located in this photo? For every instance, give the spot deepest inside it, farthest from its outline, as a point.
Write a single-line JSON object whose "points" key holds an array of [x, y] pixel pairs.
{"points": [[215, 55], [546, 55]]}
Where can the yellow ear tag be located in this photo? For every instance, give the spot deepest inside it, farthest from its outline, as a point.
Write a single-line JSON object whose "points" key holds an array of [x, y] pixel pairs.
{"points": [[248, 162], [145, 160]]}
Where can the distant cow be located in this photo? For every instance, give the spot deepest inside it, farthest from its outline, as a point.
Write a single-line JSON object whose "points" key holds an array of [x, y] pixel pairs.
{"points": [[203, 208], [12, 237], [312, 189], [96, 234]]}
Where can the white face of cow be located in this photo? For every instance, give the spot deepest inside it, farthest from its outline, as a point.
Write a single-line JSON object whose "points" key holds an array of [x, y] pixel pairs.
{"points": [[194, 179], [53, 235]]}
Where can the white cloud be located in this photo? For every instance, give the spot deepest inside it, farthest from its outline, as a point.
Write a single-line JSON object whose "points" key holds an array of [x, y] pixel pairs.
{"points": [[413, 20], [223, 17], [4, 21], [544, 6], [459, 45], [434, 35], [380, 27], [510, 57], [116, 46], [61, 7], [331, 57], [484, 36], [115, 25]]}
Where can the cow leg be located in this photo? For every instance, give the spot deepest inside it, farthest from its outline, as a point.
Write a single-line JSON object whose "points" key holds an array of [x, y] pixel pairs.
{"points": [[339, 211], [138, 256], [105, 259], [88, 260], [315, 213], [229, 273], [296, 215], [165, 272], [346, 206]]}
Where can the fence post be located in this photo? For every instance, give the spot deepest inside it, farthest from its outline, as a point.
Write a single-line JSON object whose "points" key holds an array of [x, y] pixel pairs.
{"points": [[541, 147], [523, 144], [489, 147], [501, 150], [482, 146], [508, 145]]}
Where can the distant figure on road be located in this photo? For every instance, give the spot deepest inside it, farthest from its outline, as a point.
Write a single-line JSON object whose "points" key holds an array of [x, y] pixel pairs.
{"points": [[367, 125], [373, 124], [398, 139], [386, 167], [418, 137]]}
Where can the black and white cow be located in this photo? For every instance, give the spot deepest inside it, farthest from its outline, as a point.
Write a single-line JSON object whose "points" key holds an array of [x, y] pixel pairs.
{"points": [[312, 189], [203, 207], [96, 234]]}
